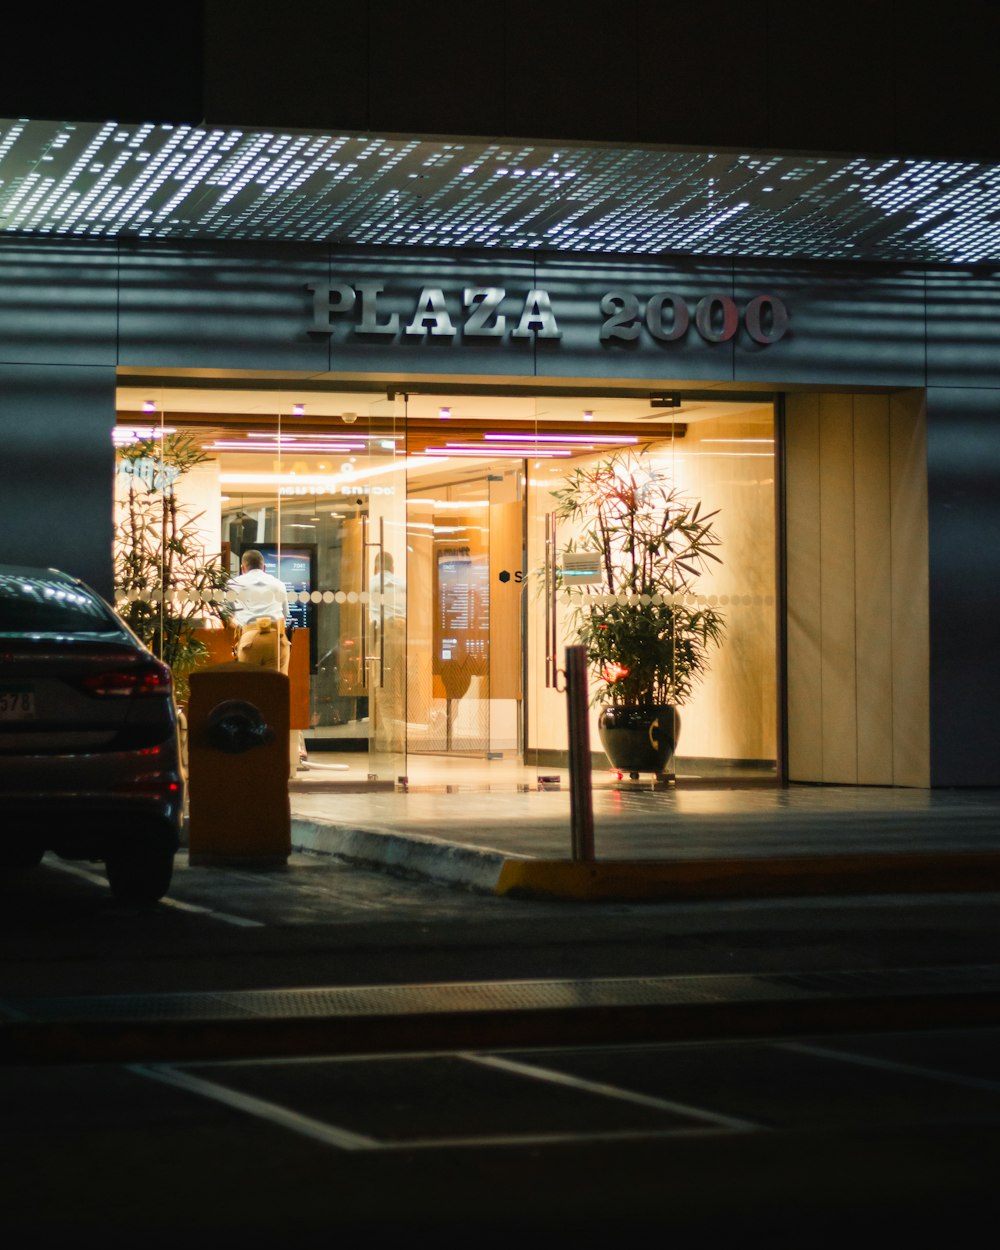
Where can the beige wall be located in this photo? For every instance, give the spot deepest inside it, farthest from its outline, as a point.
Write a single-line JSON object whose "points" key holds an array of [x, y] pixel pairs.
{"points": [[857, 621], [199, 492], [728, 463]]}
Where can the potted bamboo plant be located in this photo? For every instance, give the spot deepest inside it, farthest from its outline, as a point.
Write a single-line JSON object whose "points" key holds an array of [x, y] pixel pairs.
{"points": [[648, 638], [165, 587]]}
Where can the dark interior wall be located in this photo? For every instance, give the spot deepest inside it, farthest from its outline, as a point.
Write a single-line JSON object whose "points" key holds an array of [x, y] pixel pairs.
{"points": [[963, 468], [774, 75], [57, 468], [58, 350]]}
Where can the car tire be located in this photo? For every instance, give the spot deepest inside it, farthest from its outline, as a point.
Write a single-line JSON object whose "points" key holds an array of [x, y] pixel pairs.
{"points": [[21, 856], [139, 874]]}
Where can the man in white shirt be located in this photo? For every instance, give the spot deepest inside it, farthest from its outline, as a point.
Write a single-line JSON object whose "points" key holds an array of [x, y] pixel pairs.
{"points": [[389, 601], [260, 610], [388, 615]]}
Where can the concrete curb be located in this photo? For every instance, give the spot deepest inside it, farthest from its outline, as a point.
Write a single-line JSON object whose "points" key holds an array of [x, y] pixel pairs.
{"points": [[412, 855], [802, 875], [496, 872]]}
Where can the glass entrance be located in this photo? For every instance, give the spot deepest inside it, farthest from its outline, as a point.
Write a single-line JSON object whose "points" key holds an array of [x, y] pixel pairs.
{"points": [[435, 573], [314, 482], [465, 536], [699, 636]]}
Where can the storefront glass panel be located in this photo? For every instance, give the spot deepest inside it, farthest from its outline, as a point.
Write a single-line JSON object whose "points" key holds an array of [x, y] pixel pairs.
{"points": [[720, 456], [316, 487], [432, 584]]}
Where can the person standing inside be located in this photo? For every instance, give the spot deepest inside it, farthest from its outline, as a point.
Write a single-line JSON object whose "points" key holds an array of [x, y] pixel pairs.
{"points": [[260, 610], [388, 616]]}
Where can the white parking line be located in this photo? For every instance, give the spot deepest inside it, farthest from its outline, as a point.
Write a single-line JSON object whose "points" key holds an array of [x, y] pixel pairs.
{"points": [[891, 1065], [263, 1110], [99, 879], [345, 1139], [241, 921], [613, 1091], [699, 1131]]}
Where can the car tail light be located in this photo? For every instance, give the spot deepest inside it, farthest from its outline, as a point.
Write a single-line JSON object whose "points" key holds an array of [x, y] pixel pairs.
{"points": [[125, 683]]}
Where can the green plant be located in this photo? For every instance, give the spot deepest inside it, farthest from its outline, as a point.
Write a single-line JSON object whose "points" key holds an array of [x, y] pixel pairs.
{"points": [[648, 639], [165, 587]]}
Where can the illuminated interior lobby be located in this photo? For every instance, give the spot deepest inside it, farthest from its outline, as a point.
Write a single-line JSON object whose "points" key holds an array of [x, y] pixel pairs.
{"points": [[450, 674]]}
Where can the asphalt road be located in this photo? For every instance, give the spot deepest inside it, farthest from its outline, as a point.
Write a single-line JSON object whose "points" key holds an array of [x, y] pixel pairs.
{"points": [[323, 923], [811, 1138], [818, 1141]]}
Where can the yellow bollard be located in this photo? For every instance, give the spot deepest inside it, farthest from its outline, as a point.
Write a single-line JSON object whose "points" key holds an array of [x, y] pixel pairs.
{"points": [[238, 761]]}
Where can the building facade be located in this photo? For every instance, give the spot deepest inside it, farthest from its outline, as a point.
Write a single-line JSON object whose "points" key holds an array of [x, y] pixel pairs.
{"points": [[809, 343]]}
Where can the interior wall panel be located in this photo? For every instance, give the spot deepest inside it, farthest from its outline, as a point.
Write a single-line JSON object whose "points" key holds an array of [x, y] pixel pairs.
{"points": [[57, 469], [857, 619], [837, 599], [804, 641], [873, 589]]}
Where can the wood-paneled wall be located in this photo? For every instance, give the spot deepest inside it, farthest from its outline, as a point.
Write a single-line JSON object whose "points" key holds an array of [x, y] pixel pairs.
{"points": [[857, 614]]}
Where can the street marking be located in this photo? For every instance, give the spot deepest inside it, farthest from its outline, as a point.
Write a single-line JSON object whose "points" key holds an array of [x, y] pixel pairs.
{"points": [[891, 1065], [98, 879], [613, 1091], [75, 871], [305, 1126], [225, 917], [344, 1139], [554, 1139]]}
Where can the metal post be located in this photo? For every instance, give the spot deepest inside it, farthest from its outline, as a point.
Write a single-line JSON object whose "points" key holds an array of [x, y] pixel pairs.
{"points": [[580, 797]]}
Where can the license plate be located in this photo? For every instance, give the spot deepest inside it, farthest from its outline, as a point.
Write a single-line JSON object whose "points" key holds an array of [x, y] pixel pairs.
{"points": [[17, 703]]}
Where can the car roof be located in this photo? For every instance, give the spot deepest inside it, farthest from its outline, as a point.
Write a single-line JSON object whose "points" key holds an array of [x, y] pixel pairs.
{"points": [[38, 570]]}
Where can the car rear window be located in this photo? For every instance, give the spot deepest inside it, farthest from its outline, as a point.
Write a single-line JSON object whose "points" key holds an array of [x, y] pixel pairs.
{"points": [[31, 604]]}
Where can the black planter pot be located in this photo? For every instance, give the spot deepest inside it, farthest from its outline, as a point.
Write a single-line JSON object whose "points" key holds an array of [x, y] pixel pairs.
{"points": [[640, 739]]}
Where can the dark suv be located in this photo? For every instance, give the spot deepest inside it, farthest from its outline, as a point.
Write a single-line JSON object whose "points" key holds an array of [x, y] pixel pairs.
{"points": [[89, 748]]}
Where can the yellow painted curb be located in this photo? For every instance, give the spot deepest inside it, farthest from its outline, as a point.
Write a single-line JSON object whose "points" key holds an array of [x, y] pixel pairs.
{"points": [[938, 873]]}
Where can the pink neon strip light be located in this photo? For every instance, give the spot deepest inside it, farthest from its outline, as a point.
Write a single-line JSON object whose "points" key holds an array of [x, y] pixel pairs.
{"points": [[561, 438], [223, 444], [470, 449]]}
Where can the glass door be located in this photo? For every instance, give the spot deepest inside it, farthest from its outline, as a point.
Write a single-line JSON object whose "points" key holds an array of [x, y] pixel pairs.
{"points": [[380, 498], [355, 497], [314, 482], [466, 562], [668, 577], [557, 443]]}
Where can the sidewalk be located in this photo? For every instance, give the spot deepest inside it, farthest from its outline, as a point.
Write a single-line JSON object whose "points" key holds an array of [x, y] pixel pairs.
{"points": [[677, 843]]}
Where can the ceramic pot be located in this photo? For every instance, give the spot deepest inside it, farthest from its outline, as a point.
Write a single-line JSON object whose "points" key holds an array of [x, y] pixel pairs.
{"points": [[640, 739]]}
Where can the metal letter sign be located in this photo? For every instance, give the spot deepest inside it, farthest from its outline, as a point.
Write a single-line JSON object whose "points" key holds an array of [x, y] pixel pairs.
{"points": [[664, 316], [716, 318], [431, 314]]}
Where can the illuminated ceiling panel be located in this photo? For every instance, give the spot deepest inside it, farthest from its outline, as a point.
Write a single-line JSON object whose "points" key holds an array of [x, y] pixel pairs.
{"points": [[116, 180]]}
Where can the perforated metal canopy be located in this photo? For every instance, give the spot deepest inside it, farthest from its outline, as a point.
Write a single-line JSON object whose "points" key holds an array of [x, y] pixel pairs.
{"points": [[115, 180]]}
